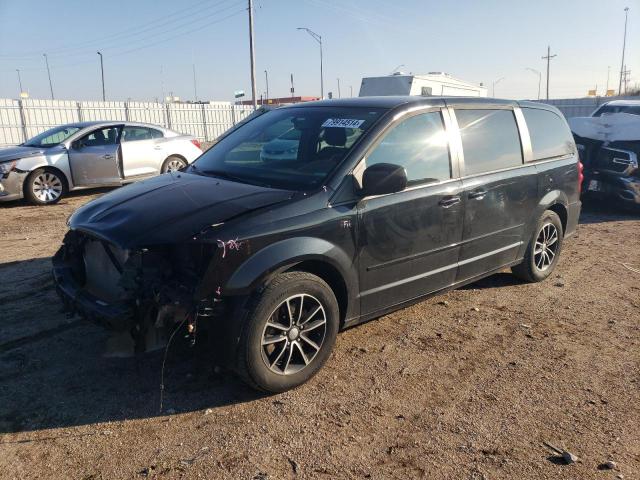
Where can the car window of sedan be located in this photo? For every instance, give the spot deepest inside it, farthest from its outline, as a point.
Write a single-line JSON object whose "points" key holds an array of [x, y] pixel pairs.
{"points": [[134, 134], [420, 145], [102, 136]]}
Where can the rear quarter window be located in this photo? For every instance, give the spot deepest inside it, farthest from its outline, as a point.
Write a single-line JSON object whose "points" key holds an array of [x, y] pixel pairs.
{"points": [[549, 133], [490, 140]]}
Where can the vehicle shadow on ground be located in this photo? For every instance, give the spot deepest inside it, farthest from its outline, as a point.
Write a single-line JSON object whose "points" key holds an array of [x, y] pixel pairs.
{"points": [[52, 373]]}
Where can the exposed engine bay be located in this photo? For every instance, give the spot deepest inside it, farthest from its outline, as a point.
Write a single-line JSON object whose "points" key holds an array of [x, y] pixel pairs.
{"points": [[145, 293]]}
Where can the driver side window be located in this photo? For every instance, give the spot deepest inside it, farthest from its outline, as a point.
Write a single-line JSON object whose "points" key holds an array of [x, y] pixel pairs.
{"points": [[419, 144], [100, 137]]}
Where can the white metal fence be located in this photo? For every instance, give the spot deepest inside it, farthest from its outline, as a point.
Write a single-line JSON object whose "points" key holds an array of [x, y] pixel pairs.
{"points": [[581, 107], [22, 119]]}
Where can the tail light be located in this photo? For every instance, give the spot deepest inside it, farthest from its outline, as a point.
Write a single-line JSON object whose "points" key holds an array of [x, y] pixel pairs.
{"points": [[196, 142], [580, 176]]}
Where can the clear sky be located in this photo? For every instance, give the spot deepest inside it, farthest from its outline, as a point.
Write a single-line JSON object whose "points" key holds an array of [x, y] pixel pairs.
{"points": [[478, 41]]}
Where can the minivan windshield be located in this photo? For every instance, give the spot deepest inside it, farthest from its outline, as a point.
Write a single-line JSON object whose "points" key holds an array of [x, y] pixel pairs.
{"points": [[289, 148], [52, 137]]}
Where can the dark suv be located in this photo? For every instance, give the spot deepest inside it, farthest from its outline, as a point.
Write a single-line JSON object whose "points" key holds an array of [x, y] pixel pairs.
{"points": [[377, 203]]}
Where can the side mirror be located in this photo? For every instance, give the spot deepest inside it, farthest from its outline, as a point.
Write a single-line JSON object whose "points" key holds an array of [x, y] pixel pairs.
{"points": [[76, 144], [383, 178]]}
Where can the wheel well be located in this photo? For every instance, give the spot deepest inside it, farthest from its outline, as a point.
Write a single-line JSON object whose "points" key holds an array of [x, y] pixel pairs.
{"points": [[561, 211], [332, 276], [48, 168]]}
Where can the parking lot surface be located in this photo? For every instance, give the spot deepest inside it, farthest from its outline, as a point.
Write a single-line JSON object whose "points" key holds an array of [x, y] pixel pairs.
{"points": [[470, 384]]}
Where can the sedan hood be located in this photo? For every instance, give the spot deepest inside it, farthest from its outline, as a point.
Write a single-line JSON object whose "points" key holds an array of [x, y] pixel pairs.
{"points": [[169, 208], [14, 153]]}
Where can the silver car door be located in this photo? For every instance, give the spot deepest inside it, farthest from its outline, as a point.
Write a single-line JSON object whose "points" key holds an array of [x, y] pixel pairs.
{"points": [[141, 151], [94, 158]]}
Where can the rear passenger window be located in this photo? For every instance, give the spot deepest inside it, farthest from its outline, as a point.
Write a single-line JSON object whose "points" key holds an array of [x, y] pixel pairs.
{"points": [[490, 140], [419, 144], [550, 135]]}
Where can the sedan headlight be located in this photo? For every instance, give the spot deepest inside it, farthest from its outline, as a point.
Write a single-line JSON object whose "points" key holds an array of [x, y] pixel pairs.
{"points": [[7, 167]]}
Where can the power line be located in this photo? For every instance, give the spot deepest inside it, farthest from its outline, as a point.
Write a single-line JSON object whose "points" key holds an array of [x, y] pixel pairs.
{"points": [[133, 31]]}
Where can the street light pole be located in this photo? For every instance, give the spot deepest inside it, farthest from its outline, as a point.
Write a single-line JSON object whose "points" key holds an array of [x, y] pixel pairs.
{"points": [[253, 57], [339, 96], [318, 39], [351, 89], [266, 79], [624, 44], [19, 80], [104, 98], [46, 61], [548, 59], [539, 78], [493, 89]]}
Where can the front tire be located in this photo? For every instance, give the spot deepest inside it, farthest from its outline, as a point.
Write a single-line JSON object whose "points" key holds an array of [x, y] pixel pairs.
{"points": [[290, 331], [543, 250], [45, 186], [173, 164]]}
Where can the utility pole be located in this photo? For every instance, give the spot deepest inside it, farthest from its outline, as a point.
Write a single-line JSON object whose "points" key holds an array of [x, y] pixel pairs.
{"points": [[539, 78], [195, 87], [102, 72], [162, 84], [493, 88], [19, 80], [624, 44], [548, 59], [253, 57], [608, 72], [318, 39], [626, 74], [46, 61], [266, 79], [339, 88]]}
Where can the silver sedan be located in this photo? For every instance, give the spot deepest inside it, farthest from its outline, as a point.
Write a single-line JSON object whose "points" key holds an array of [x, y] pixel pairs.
{"points": [[90, 154]]}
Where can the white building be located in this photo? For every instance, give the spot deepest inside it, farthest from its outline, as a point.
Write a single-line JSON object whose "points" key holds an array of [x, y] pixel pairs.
{"points": [[431, 84]]}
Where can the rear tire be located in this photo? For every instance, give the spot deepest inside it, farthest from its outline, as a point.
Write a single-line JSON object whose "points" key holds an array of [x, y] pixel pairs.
{"points": [[543, 250], [289, 332], [45, 186], [173, 164]]}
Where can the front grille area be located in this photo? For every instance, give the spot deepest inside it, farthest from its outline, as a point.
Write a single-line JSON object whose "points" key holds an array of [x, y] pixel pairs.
{"points": [[103, 265], [613, 160]]}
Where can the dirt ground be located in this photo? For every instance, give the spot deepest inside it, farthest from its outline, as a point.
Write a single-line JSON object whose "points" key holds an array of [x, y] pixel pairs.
{"points": [[467, 385]]}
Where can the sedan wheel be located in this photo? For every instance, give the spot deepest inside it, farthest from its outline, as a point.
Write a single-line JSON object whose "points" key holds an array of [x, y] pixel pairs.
{"points": [[173, 164], [44, 187]]}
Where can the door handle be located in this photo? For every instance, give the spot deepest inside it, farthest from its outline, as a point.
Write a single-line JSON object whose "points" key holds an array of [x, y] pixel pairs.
{"points": [[449, 201], [477, 194], [108, 156], [157, 147]]}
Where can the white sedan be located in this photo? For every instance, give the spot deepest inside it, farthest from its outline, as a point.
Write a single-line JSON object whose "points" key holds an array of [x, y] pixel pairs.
{"points": [[90, 154]]}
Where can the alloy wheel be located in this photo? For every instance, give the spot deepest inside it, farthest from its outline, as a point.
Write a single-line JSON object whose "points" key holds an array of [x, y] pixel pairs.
{"points": [[546, 246], [47, 187], [174, 165], [294, 334]]}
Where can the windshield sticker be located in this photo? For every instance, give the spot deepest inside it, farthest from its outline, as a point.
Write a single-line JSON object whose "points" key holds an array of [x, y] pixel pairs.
{"points": [[342, 123]]}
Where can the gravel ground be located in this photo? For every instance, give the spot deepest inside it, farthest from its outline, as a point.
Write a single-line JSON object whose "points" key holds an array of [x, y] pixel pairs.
{"points": [[467, 385]]}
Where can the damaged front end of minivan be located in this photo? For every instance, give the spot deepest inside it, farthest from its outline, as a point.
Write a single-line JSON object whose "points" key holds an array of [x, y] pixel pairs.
{"points": [[142, 294]]}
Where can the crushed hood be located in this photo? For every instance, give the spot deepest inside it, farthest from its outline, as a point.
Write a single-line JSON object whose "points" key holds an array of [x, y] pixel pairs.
{"points": [[607, 128], [14, 153], [169, 208]]}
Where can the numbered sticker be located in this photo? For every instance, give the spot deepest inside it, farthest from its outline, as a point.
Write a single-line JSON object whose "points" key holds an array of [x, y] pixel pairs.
{"points": [[342, 123]]}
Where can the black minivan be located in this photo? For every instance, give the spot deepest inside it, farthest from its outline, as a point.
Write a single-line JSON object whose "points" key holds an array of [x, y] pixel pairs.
{"points": [[315, 217]]}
